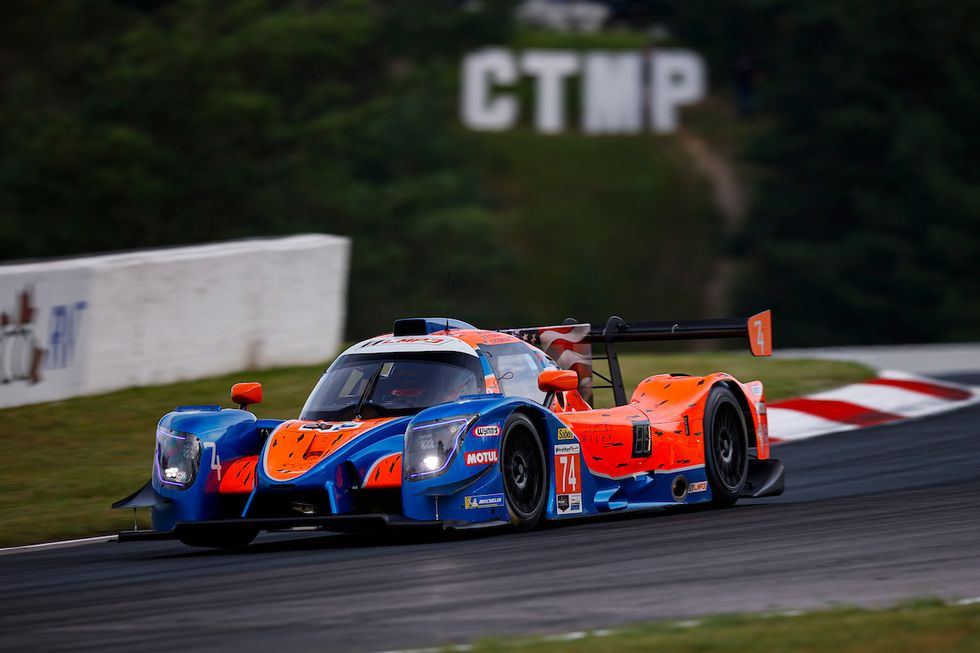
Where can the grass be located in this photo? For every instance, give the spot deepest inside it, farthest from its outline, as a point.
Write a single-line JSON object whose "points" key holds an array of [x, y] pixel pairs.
{"points": [[921, 627], [65, 462]]}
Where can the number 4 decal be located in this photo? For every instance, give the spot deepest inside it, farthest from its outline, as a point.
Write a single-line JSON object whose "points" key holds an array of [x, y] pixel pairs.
{"points": [[215, 459], [759, 328]]}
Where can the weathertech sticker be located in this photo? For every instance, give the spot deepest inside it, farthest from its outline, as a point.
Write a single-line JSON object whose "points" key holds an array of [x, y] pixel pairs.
{"points": [[484, 501], [568, 479], [700, 486], [569, 503], [565, 434], [486, 431], [481, 457]]}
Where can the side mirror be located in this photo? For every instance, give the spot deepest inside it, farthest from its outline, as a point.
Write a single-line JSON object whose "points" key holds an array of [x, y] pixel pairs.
{"points": [[246, 394], [557, 380]]}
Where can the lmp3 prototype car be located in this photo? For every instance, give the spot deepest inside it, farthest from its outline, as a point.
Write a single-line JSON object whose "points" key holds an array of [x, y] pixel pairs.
{"points": [[443, 424]]}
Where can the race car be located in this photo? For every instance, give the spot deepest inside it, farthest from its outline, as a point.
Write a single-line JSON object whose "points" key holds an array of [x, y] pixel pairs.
{"points": [[442, 424]]}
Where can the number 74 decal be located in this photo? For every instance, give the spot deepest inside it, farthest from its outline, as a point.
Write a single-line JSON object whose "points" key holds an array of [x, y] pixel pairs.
{"points": [[568, 469]]}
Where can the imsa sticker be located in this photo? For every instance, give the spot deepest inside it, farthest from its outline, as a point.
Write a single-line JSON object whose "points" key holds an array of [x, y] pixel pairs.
{"points": [[569, 504], [483, 501]]}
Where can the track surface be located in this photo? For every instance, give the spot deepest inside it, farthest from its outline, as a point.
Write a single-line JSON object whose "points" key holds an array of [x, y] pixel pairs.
{"points": [[869, 517]]}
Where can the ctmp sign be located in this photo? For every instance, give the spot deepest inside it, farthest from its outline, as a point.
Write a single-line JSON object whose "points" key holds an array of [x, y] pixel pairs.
{"points": [[621, 91]]}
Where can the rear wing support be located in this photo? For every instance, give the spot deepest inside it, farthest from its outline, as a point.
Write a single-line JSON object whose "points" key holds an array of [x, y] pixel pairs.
{"points": [[570, 344], [758, 329]]}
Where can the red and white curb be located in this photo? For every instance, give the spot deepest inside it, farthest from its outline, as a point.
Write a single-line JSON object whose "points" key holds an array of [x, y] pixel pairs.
{"points": [[891, 397]]}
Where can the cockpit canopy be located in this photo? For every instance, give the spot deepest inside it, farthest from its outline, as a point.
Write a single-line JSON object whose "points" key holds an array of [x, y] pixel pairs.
{"points": [[392, 384], [392, 376]]}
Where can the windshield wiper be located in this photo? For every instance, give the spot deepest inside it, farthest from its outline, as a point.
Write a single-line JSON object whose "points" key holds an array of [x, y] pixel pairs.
{"points": [[368, 389]]}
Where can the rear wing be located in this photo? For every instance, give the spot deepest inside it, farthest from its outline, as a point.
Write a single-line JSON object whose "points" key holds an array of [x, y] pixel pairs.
{"points": [[570, 344]]}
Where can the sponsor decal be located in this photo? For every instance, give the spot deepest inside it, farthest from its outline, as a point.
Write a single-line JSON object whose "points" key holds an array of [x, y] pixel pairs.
{"points": [[409, 340], [757, 390], [566, 449], [326, 427], [486, 431], [700, 486], [569, 504], [568, 479], [484, 501], [481, 457], [565, 434]]}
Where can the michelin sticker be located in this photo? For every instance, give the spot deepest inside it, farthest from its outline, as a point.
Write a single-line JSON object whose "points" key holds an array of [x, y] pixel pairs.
{"points": [[484, 501]]}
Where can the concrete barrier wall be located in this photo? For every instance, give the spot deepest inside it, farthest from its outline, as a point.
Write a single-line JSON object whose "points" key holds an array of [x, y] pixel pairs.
{"points": [[89, 325]]}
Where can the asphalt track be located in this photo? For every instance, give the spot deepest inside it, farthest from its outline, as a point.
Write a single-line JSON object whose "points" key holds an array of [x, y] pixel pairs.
{"points": [[869, 517]]}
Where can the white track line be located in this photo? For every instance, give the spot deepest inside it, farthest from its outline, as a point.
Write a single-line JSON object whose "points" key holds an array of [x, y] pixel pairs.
{"points": [[57, 545]]}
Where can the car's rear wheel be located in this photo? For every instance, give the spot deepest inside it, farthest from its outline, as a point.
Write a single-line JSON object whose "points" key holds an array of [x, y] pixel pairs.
{"points": [[725, 447], [524, 471]]}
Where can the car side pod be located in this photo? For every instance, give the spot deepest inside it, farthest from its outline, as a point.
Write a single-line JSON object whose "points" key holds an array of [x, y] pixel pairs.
{"points": [[765, 479]]}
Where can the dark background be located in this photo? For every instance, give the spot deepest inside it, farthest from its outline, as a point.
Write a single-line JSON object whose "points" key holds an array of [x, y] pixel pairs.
{"points": [[851, 126]]}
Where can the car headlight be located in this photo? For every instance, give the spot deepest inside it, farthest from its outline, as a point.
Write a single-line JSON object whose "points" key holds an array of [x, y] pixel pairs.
{"points": [[178, 457], [431, 446]]}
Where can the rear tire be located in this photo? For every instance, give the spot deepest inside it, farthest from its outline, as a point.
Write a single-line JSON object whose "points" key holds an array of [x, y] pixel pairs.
{"points": [[725, 447], [524, 472]]}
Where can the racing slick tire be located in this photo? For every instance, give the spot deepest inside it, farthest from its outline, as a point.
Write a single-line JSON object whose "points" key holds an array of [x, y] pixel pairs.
{"points": [[227, 538], [524, 471], [725, 447]]}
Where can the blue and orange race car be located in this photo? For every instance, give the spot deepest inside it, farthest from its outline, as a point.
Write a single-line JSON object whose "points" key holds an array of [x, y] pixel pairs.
{"points": [[441, 423]]}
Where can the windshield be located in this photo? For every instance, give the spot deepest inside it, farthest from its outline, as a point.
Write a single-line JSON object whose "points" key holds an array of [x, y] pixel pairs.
{"points": [[516, 366], [385, 385]]}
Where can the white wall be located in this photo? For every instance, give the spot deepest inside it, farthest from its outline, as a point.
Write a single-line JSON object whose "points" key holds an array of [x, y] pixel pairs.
{"points": [[102, 323]]}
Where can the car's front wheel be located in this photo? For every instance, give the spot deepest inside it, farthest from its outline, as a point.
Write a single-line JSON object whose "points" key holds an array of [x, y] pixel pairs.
{"points": [[524, 471]]}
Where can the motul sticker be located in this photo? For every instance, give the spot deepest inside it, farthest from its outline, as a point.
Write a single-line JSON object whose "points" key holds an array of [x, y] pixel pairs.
{"points": [[486, 431], [700, 486], [481, 457], [565, 434]]}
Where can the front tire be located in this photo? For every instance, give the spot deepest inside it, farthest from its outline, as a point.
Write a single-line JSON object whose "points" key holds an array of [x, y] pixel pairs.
{"points": [[524, 471], [725, 447]]}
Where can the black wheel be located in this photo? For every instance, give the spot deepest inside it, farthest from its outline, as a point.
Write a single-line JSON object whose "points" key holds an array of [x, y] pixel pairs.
{"points": [[725, 447], [226, 538], [525, 473]]}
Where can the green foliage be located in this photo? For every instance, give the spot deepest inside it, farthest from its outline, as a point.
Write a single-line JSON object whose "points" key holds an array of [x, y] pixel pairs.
{"points": [[204, 120], [866, 228]]}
